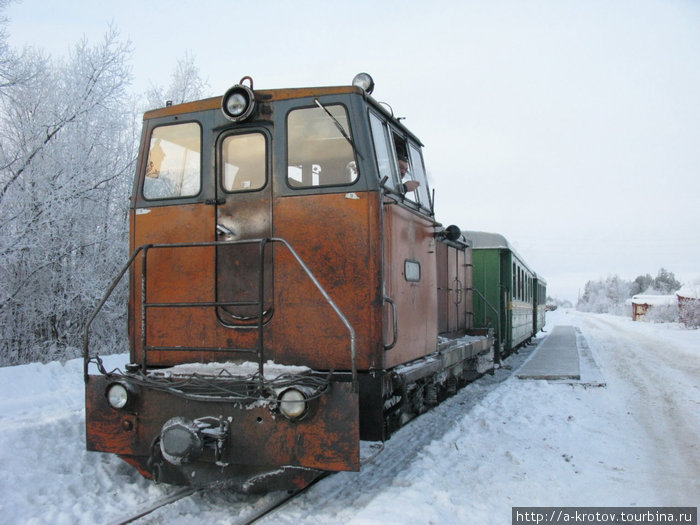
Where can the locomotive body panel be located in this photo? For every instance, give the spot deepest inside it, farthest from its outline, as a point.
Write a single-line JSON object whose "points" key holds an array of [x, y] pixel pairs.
{"points": [[455, 295], [411, 283], [337, 235]]}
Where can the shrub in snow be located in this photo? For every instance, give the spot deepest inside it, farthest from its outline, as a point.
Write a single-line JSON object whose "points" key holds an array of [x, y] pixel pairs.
{"points": [[662, 314]]}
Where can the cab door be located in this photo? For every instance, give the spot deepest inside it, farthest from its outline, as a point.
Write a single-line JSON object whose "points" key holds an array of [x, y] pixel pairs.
{"points": [[170, 208], [243, 217]]}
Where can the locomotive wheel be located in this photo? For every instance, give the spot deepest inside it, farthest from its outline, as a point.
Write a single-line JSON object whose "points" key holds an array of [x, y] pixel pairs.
{"points": [[417, 401]]}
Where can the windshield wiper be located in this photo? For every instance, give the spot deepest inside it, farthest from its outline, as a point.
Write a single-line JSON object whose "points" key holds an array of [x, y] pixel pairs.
{"points": [[340, 128]]}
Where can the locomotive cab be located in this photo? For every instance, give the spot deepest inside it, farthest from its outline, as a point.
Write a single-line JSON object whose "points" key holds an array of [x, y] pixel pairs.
{"points": [[286, 265]]}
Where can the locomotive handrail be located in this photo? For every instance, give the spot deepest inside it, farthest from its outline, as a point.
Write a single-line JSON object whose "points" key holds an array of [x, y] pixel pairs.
{"points": [[395, 316], [261, 292], [497, 353], [96, 310], [263, 242]]}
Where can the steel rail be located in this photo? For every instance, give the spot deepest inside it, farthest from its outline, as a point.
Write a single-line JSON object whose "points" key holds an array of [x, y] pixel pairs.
{"points": [[150, 507]]}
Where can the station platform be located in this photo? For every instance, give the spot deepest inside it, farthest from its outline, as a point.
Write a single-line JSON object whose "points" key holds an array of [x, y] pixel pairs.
{"points": [[564, 355]]}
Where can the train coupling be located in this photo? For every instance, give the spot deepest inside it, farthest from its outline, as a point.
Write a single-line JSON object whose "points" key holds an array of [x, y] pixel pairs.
{"points": [[184, 440]]}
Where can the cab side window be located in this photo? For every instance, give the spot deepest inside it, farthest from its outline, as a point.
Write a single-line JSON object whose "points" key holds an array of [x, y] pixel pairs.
{"points": [[384, 151], [174, 167], [399, 162], [420, 176], [414, 183]]}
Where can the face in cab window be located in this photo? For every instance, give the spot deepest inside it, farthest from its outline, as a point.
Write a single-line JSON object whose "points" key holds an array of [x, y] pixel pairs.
{"points": [[318, 153], [174, 162]]}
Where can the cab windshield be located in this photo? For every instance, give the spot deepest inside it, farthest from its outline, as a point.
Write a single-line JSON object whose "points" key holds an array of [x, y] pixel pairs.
{"points": [[318, 152]]}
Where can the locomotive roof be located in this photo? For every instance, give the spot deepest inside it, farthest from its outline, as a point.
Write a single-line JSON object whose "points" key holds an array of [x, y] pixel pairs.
{"points": [[271, 95], [263, 95]]}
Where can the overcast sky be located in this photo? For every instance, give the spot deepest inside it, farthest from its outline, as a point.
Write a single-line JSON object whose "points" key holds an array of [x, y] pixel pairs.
{"points": [[571, 127]]}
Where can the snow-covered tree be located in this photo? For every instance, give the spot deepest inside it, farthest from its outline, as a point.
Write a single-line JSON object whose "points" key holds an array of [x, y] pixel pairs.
{"points": [[186, 85], [68, 140], [67, 130], [665, 282], [604, 296], [610, 295], [617, 290], [641, 284]]}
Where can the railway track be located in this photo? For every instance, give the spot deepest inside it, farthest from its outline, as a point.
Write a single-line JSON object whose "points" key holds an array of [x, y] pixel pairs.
{"points": [[259, 507], [154, 505]]}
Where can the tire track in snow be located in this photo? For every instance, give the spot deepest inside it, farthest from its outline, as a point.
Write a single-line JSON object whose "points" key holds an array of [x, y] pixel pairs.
{"points": [[662, 396]]}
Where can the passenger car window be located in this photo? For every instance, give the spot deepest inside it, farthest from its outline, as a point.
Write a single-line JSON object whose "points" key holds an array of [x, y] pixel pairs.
{"points": [[244, 162], [318, 153], [174, 162]]}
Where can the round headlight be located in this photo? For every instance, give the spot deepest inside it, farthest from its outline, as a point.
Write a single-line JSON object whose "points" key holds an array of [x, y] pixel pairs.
{"points": [[364, 81], [117, 395], [238, 103], [292, 403]]}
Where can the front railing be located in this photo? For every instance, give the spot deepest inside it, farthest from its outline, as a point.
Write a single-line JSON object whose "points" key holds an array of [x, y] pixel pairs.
{"points": [[260, 303]]}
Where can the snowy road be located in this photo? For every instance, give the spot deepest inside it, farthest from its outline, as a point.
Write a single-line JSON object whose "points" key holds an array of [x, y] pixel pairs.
{"points": [[499, 443], [657, 375]]}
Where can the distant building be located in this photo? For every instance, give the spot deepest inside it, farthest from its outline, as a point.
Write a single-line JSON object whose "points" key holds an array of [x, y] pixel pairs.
{"points": [[642, 304], [689, 306]]}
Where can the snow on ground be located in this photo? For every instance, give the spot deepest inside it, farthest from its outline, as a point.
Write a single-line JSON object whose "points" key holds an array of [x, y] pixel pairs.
{"points": [[500, 442]]}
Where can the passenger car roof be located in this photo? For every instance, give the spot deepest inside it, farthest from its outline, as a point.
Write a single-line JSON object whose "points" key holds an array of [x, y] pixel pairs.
{"points": [[494, 241], [486, 240]]}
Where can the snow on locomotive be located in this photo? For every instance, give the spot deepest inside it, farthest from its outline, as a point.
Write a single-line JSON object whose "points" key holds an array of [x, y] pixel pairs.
{"points": [[291, 292]]}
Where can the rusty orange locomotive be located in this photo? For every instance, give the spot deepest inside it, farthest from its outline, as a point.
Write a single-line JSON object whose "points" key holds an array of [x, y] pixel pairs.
{"points": [[291, 291]]}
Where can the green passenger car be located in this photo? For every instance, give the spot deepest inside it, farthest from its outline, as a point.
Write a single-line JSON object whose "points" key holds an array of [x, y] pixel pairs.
{"points": [[508, 296], [540, 302]]}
